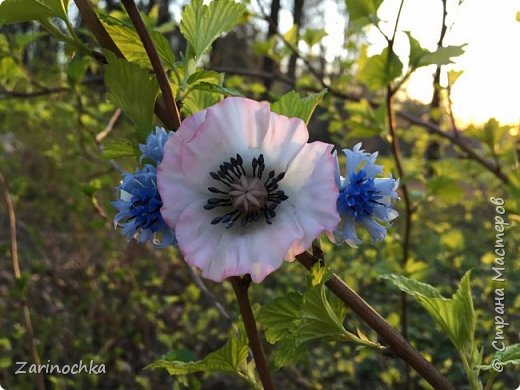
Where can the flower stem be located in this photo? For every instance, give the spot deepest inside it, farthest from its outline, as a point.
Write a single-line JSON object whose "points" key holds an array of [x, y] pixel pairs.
{"points": [[240, 286], [396, 342]]}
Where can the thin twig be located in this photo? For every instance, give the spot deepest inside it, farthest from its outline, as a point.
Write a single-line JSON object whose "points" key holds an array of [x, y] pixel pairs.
{"points": [[460, 141], [397, 343], [396, 153], [174, 118], [111, 123], [208, 294], [18, 276], [240, 286]]}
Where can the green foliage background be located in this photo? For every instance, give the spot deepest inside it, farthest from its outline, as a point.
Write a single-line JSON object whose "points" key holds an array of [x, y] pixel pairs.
{"points": [[92, 296]]}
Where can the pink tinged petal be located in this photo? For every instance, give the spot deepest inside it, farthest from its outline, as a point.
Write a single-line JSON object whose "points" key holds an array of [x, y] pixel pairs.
{"points": [[284, 139], [311, 186], [174, 193], [269, 244], [222, 253], [198, 240], [232, 126]]}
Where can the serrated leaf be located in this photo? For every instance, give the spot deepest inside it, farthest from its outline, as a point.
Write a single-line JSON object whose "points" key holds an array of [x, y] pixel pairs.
{"points": [[16, 11], [226, 359], [318, 318], [509, 356], [313, 36], [132, 88], [118, 148], [455, 316], [381, 69], [293, 106], [127, 40], [207, 76], [362, 12], [198, 99], [278, 316], [293, 320], [202, 24]]}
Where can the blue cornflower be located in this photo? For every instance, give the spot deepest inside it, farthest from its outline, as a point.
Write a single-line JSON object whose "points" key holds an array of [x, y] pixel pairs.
{"points": [[154, 147], [364, 198], [139, 208]]}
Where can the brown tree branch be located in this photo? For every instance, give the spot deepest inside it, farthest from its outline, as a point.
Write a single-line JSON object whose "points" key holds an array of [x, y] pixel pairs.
{"points": [[104, 39], [240, 286], [396, 342], [173, 116]]}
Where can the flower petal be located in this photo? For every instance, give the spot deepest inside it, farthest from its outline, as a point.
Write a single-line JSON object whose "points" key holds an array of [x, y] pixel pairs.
{"points": [[222, 136], [221, 253], [312, 190]]}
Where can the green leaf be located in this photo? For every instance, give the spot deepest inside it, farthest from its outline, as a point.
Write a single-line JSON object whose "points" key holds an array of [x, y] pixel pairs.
{"points": [[217, 89], [362, 12], [295, 319], [22, 40], [128, 41], [423, 57], [202, 24], [278, 316], [443, 56], [207, 76], [417, 52], [76, 70], [198, 100], [455, 316], [291, 36], [509, 356], [453, 76], [293, 106], [380, 70], [16, 11], [118, 148], [228, 359], [132, 88], [313, 36]]}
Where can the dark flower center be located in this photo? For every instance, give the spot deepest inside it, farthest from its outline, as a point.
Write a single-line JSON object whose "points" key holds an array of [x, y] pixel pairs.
{"points": [[359, 197], [246, 196]]}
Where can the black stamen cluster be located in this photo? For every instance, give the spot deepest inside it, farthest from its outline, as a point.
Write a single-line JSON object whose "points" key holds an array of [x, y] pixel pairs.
{"points": [[229, 172]]}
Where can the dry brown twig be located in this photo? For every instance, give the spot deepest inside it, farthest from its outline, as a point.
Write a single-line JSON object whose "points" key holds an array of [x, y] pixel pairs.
{"points": [[18, 276]]}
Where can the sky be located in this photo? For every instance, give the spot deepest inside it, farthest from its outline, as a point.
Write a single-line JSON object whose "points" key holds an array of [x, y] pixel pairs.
{"points": [[490, 84]]}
